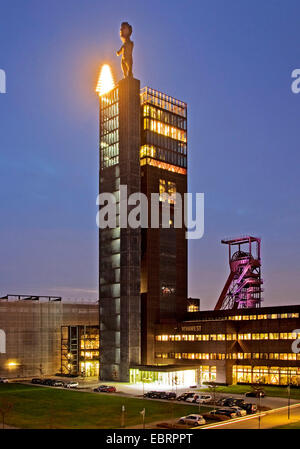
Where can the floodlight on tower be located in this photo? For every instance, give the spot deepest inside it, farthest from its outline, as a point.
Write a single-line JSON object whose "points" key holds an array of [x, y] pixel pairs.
{"points": [[105, 81]]}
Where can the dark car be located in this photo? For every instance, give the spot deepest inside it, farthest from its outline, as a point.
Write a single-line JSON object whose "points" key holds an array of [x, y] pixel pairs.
{"points": [[105, 389], [239, 402], [160, 395], [250, 408], [110, 389], [58, 383], [227, 402], [255, 394], [37, 381], [155, 394], [149, 394], [184, 396], [214, 416], [231, 402], [168, 395], [100, 388], [230, 413], [48, 382]]}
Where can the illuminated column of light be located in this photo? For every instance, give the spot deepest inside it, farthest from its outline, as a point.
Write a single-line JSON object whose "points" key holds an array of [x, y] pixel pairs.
{"points": [[105, 81]]}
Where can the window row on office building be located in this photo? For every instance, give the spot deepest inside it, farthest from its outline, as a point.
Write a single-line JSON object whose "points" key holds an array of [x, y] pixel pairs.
{"points": [[230, 337], [228, 356]]}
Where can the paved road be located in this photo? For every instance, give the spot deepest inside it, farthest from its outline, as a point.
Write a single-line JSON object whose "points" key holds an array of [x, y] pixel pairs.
{"points": [[267, 420]]}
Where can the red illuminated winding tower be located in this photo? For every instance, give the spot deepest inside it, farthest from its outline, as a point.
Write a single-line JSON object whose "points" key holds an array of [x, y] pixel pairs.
{"points": [[243, 286]]}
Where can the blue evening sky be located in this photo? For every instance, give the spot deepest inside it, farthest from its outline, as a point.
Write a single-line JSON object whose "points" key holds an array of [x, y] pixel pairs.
{"points": [[230, 60]]}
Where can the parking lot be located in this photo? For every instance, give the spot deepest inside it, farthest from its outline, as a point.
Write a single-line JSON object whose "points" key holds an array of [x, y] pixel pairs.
{"points": [[209, 407]]}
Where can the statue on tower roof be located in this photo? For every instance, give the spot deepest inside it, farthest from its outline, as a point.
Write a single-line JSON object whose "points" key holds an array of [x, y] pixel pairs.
{"points": [[126, 49]]}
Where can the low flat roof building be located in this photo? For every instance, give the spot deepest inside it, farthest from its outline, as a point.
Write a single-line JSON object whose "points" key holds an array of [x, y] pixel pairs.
{"points": [[228, 346], [44, 336]]}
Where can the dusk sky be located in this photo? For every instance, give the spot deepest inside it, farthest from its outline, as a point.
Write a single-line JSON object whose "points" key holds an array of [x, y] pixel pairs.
{"points": [[231, 61]]}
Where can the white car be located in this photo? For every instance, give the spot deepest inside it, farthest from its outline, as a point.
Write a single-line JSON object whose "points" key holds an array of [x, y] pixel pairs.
{"points": [[192, 398], [71, 384], [194, 420], [204, 398], [3, 380]]}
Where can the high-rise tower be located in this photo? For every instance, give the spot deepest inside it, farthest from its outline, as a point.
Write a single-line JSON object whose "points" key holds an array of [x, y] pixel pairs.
{"points": [[142, 272], [119, 248], [164, 250]]}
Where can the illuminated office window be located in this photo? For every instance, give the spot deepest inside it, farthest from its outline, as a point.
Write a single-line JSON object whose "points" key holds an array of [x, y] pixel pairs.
{"points": [[162, 190], [172, 191]]}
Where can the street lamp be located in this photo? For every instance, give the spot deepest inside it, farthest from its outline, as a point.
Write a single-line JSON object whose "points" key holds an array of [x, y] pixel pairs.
{"points": [[289, 395], [143, 413], [143, 381], [259, 408], [289, 401], [123, 416]]}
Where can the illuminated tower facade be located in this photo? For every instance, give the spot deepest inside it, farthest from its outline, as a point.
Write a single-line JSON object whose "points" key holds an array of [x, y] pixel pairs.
{"points": [[119, 248], [164, 250], [142, 272]]}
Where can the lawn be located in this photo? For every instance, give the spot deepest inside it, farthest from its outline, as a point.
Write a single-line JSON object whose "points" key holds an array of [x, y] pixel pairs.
{"points": [[281, 392], [295, 425], [36, 407]]}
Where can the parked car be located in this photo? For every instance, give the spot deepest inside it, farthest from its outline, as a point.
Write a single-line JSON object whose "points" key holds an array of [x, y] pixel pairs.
{"points": [[105, 389], [213, 415], [3, 380], [149, 394], [239, 411], [37, 381], [199, 398], [100, 388], [58, 383], [111, 389], [227, 402], [192, 398], [255, 394], [159, 394], [184, 396], [250, 408], [230, 413], [194, 420], [155, 394], [204, 398], [239, 402], [168, 395], [71, 384], [48, 382], [181, 397]]}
